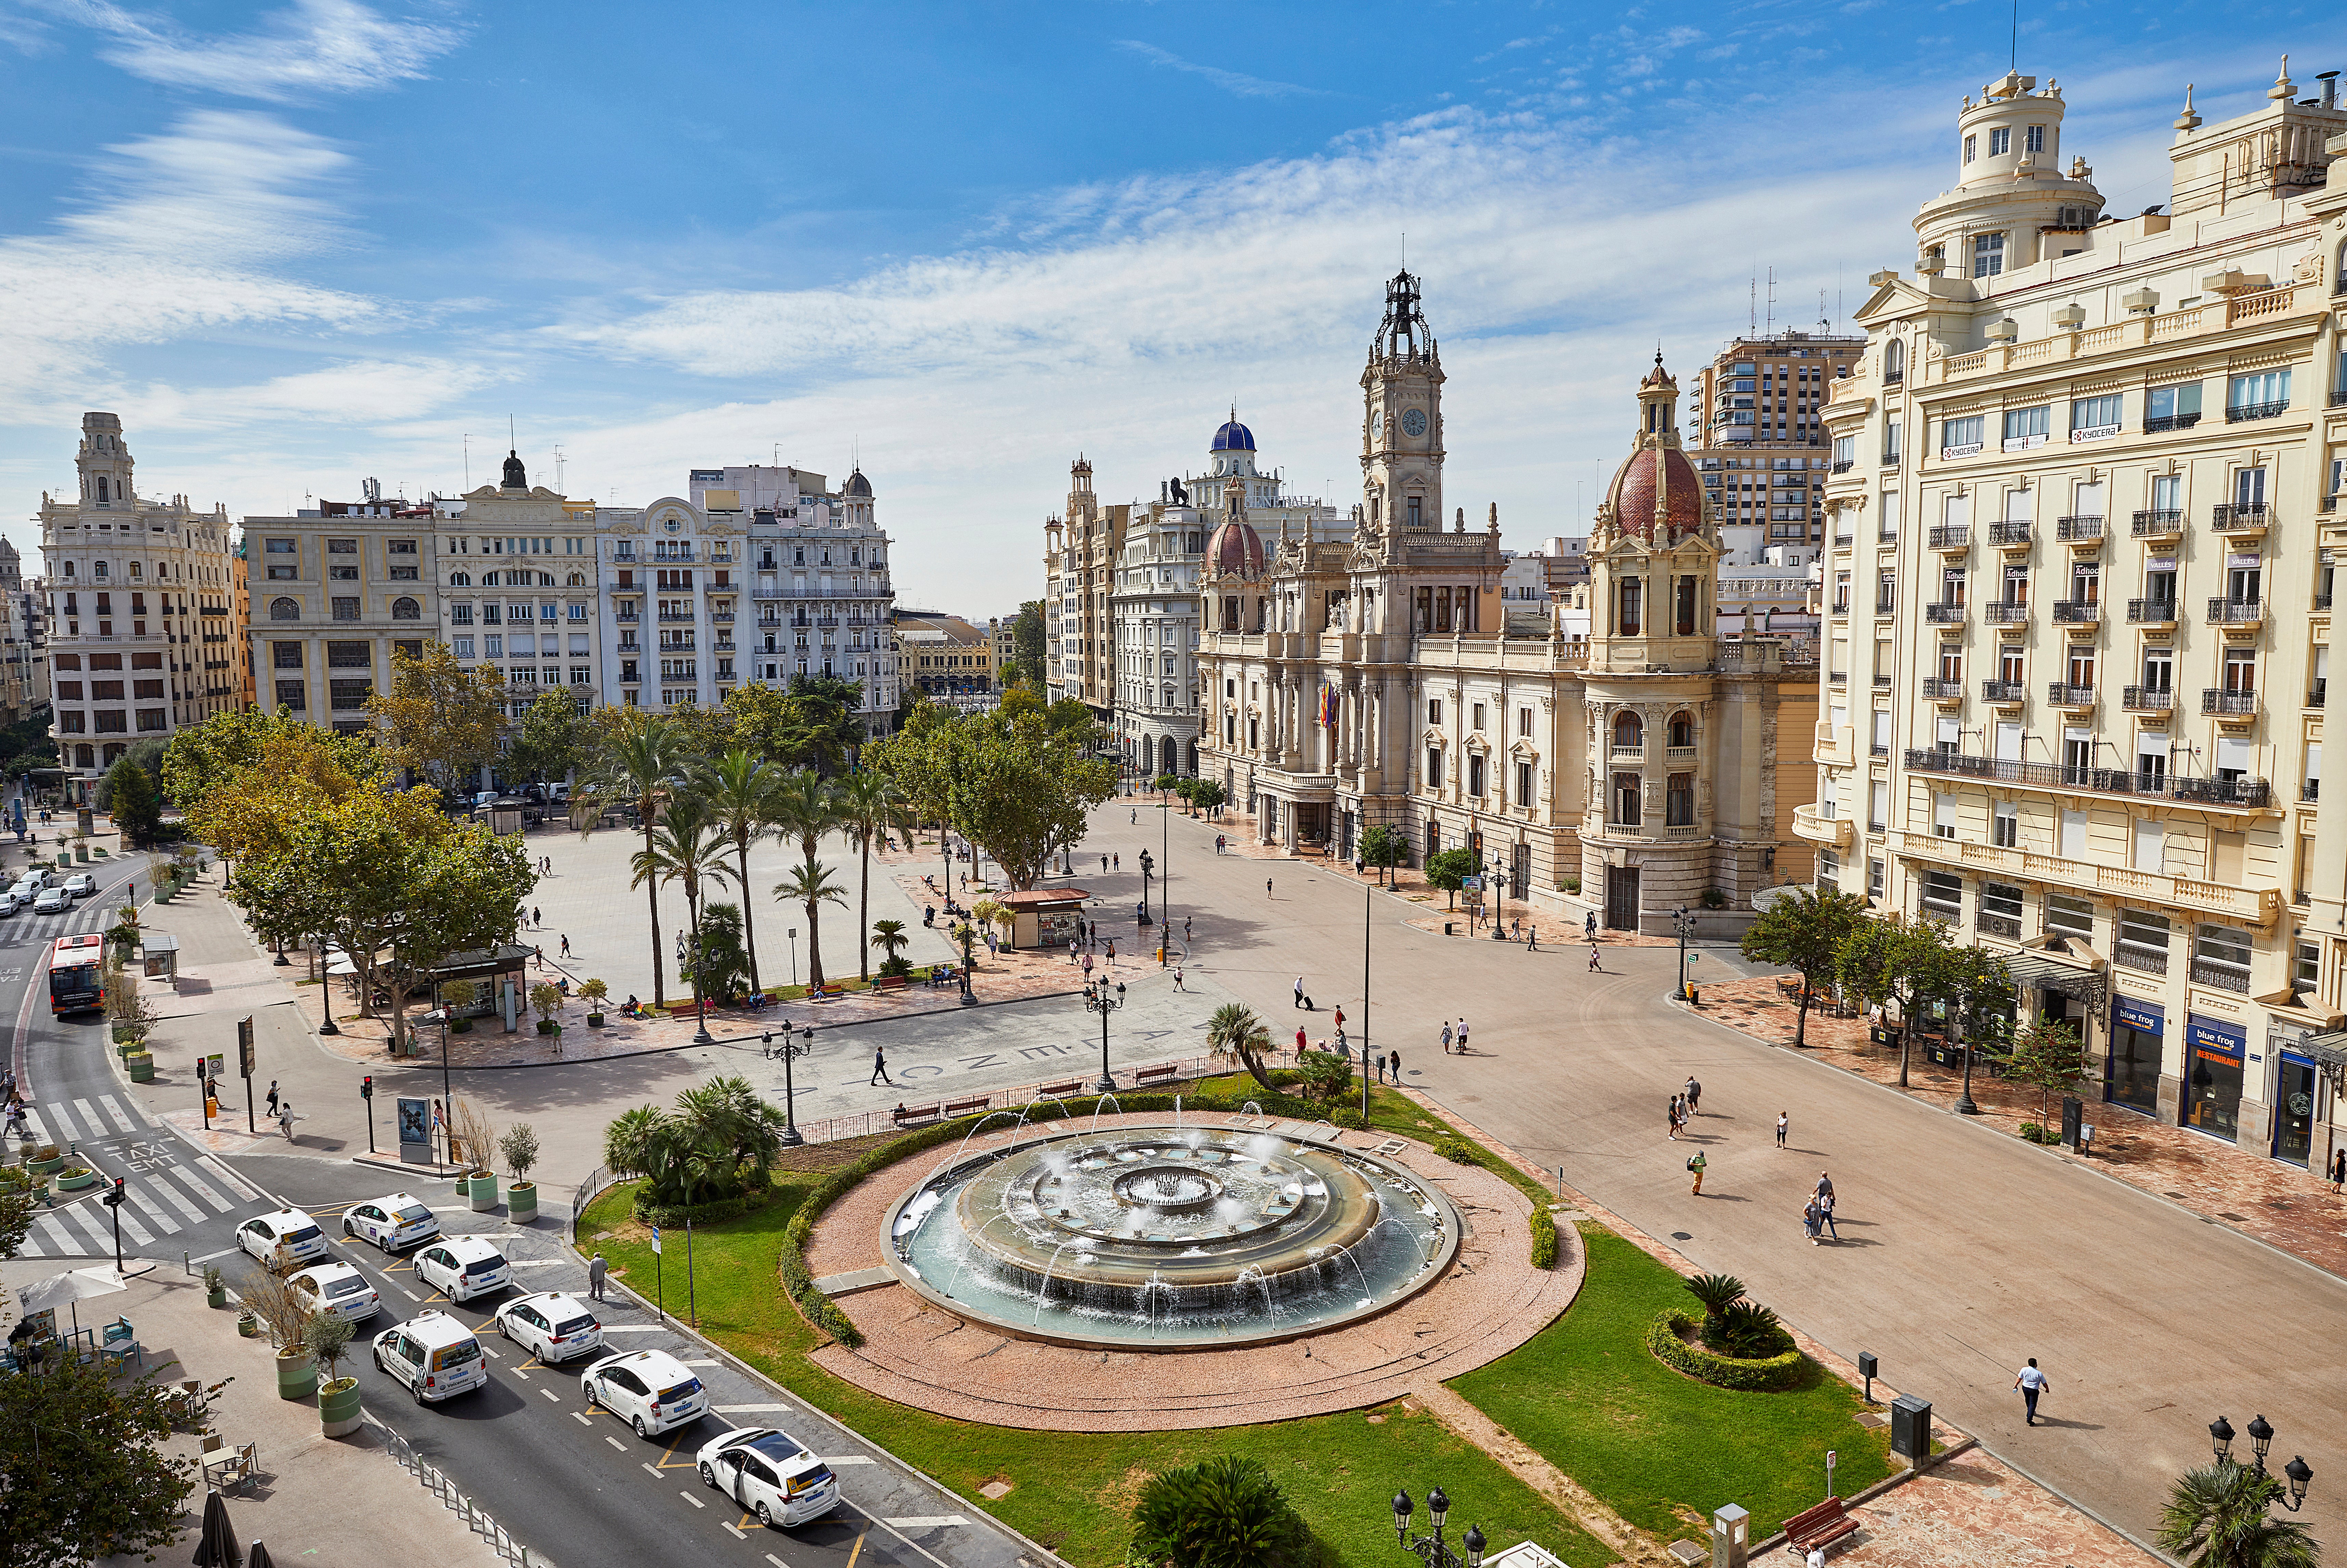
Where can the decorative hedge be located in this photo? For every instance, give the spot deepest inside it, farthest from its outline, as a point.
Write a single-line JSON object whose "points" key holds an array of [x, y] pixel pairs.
{"points": [[670, 1216], [1771, 1372], [1456, 1150], [1543, 1238]]}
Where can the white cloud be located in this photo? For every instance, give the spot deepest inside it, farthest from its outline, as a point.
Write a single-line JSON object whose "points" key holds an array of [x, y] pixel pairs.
{"points": [[349, 392], [312, 47], [1236, 82]]}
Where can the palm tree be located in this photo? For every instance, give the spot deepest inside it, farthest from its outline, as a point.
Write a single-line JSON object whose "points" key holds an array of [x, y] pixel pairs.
{"points": [[2215, 1518], [889, 935], [869, 805], [811, 885], [1233, 1033], [643, 756], [726, 1113], [739, 787], [687, 847]]}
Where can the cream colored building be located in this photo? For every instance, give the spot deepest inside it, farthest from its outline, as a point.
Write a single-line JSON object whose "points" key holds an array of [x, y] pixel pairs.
{"points": [[1080, 556], [1378, 679], [518, 590], [2079, 633], [336, 589], [143, 637]]}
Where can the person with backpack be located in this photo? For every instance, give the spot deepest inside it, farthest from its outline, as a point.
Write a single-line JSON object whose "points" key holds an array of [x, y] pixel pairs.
{"points": [[1696, 1162]]}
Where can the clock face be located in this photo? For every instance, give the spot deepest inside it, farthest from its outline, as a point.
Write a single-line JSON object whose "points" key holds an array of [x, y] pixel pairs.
{"points": [[1377, 424], [1413, 422]]}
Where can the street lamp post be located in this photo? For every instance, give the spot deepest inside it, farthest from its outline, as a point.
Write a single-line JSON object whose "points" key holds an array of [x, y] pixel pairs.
{"points": [[1166, 870], [1147, 865], [967, 995], [2262, 1434], [1432, 1550], [700, 992], [1097, 997], [1683, 922], [1366, 916], [789, 1050]]}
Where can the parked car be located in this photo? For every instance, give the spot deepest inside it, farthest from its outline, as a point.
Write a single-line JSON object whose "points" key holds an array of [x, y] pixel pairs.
{"points": [[81, 884], [433, 1355], [461, 1267], [651, 1390], [399, 1221], [53, 901], [281, 1239], [338, 1289], [768, 1473], [9, 903], [551, 1326]]}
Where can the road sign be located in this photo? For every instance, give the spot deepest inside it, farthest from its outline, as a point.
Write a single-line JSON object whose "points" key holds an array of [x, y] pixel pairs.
{"points": [[656, 1245], [247, 1060]]}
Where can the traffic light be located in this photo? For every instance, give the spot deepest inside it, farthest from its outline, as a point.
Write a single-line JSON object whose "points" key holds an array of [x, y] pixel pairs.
{"points": [[366, 1087], [113, 1200]]}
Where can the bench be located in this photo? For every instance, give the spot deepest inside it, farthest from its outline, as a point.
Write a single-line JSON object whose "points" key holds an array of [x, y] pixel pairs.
{"points": [[889, 983], [1072, 1086], [1820, 1526], [965, 1106], [825, 993], [913, 1115], [1157, 1074]]}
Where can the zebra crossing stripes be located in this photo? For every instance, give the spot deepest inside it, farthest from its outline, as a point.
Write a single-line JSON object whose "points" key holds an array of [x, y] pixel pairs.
{"points": [[41, 930], [164, 1195]]}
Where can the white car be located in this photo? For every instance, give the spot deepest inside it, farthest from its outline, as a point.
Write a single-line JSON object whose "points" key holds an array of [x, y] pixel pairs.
{"points": [[53, 901], [81, 884], [393, 1222], [282, 1240], [551, 1326], [9, 903], [336, 1288], [35, 876], [461, 1267], [651, 1390], [433, 1355], [771, 1475]]}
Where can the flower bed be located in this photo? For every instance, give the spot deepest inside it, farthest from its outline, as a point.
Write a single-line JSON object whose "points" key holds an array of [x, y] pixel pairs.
{"points": [[1666, 1338]]}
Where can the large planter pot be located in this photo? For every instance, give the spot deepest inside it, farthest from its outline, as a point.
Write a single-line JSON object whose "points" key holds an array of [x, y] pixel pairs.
{"points": [[594, 1020], [142, 1066], [248, 1326], [484, 1193], [297, 1375], [48, 1167], [521, 1203], [216, 1297], [338, 1407], [74, 1181]]}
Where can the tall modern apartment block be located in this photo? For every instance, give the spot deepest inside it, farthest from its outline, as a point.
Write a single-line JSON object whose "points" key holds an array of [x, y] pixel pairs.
{"points": [[1759, 437], [2085, 504]]}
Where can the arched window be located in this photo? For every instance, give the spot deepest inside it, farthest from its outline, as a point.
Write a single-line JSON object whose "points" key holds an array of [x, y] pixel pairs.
{"points": [[1682, 733], [546, 579], [460, 580], [101, 490], [1894, 359], [134, 571], [284, 609], [1629, 731], [406, 610], [577, 579]]}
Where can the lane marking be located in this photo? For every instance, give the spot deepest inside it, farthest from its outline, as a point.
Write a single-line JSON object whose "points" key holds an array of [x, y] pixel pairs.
{"points": [[647, 1464], [747, 1409], [405, 1291], [582, 1417], [58, 1240], [615, 1442], [552, 1394], [162, 1221], [778, 1563], [737, 1533], [853, 1552], [114, 1109], [698, 1503], [851, 1459], [236, 1184], [177, 1199], [927, 1522]]}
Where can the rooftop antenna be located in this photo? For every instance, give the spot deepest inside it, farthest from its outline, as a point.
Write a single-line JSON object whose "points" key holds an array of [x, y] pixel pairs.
{"points": [[559, 461], [1772, 299], [1825, 321], [2015, 59], [468, 460]]}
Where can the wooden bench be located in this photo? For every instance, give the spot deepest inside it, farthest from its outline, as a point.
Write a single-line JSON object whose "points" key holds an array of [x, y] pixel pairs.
{"points": [[1070, 1087], [913, 1115], [825, 994], [1157, 1074], [889, 983], [964, 1107], [1820, 1526]]}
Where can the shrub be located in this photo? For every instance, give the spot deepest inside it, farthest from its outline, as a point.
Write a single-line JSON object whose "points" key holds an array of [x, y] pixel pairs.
{"points": [[1325, 1074], [1713, 898], [1543, 1238], [1221, 1512], [1571, 884], [1751, 1331], [670, 1216], [1456, 1150], [1664, 1338], [1717, 1292], [2037, 1134]]}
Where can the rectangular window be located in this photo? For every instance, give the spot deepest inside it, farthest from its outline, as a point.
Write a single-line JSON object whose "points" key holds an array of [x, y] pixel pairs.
{"points": [[2071, 916], [2259, 395], [346, 610], [462, 647], [2220, 958], [1972, 147], [1942, 895], [1523, 783], [1434, 767], [2142, 941], [2007, 825], [293, 694], [1943, 817], [2027, 427], [1874, 876], [2000, 141], [1988, 255], [2000, 910], [2033, 140], [1892, 445], [1962, 437], [460, 615], [1679, 801], [348, 696], [2172, 407], [1434, 711], [286, 655], [2095, 418]]}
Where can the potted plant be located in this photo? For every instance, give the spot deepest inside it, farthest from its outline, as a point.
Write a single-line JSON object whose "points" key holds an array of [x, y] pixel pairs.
{"points": [[72, 1178], [248, 1323], [477, 1138], [141, 1063], [338, 1397], [268, 1296], [215, 1287], [593, 992], [45, 1160], [545, 998], [519, 1146]]}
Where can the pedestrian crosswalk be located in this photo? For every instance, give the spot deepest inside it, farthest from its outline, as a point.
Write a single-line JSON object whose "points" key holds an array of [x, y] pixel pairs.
{"points": [[29, 929], [165, 1195]]}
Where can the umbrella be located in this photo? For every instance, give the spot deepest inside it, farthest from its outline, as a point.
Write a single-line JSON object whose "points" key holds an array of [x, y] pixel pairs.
{"points": [[216, 1546], [71, 1286], [259, 1558]]}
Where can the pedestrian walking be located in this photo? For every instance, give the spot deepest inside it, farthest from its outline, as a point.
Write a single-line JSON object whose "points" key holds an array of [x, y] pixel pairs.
{"points": [[1266, 886], [1446, 1037], [1071, 949], [271, 1102], [1671, 1120], [1462, 1036], [566, 945], [2032, 1383], [1809, 1222], [1088, 966], [1112, 953], [1696, 1162], [537, 954], [879, 1070], [285, 1120], [1825, 1185], [1117, 861], [1177, 977], [596, 1269], [1784, 1126], [1104, 864], [1594, 967], [1825, 1214], [1589, 926], [1340, 1020], [2339, 1170], [1137, 816], [1186, 930], [1299, 990], [1532, 944], [1693, 1094], [1299, 1040], [537, 918], [1395, 1058]]}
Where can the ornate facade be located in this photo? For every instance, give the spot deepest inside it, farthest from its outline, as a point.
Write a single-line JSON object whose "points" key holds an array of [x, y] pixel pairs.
{"points": [[1378, 678]]}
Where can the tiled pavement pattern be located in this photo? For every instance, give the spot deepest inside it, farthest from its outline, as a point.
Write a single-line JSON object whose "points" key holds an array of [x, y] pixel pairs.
{"points": [[1975, 1512]]}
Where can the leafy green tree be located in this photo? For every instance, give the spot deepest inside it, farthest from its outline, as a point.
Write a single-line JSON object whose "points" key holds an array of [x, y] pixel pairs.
{"points": [[441, 719], [810, 885], [2050, 1058], [1233, 1033], [1805, 930], [550, 742], [688, 848], [1207, 795], [1448, 870], [82, 1467], [869, 806], [1384, 847], [137, 805], [1221, 1512], [2216, 1516], [1892, 961], [739, 790], [805, 807], [722, 967], [1027, 637], [1020, 789], [20, 1201], [640, 754], [227, 747]]}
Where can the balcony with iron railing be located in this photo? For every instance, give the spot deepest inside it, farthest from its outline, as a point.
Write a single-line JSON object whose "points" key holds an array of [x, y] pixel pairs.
{"points": [[2063, 694], [2242, 413], [2077, 612], [2157, 524], [2151, 613], [2322, 689], [2003, 693], [2078, 530], [2004, 612], [1953, 537], [1933, 690], [1990, 924], [1844, 466], [2242, 794], [2236, 611], [2220, 976], [2009, 533], [2148, 700], [2162, 424], [1944, 614], [2231, 704], [676, 617], [2243, 521]]}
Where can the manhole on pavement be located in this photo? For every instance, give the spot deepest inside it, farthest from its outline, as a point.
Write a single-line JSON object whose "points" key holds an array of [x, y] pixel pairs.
{"points": [[2228, 1215], [1683, 1236]]}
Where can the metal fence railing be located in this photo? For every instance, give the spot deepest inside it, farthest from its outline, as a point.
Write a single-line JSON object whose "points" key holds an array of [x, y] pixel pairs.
{"points": [[581, 1195], [477, 1519], [1075, 1088]]}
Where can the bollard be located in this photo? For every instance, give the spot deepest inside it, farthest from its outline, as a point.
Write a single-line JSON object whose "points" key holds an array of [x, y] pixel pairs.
{"points": [[185, 1267], [1731, 1533]]}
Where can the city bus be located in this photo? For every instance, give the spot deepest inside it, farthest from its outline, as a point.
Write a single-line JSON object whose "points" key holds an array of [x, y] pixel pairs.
{"points": [[75, 964]]}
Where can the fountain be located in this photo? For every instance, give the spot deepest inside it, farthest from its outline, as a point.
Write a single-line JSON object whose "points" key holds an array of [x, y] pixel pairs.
{"points": [[1169, 1236]]}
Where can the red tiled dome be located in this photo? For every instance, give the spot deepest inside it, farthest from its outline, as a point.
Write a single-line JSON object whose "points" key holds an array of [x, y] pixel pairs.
{"points": [[1234, 548], [1632, 495]]}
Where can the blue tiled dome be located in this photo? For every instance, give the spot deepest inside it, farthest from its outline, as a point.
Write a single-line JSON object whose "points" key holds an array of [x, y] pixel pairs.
{"points": [[1233, 437]]}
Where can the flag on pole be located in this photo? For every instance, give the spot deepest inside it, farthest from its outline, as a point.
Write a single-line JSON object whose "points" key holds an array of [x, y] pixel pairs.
{"points": [[1329, 705]]}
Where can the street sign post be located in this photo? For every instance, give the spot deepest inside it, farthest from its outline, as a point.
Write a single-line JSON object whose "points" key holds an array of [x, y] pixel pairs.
{"points": [[245, 1063], [659, 1294]]}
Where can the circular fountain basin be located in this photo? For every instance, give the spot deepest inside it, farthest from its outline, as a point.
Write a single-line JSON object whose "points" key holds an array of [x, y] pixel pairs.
{"points": [[1168, 1237]]}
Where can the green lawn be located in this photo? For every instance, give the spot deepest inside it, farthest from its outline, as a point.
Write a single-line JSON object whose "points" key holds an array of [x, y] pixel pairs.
{"points": [[1072, 1491], [1662, 1450]]}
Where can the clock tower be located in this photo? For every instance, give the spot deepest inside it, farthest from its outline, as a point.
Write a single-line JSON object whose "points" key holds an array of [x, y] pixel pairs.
{"points": [[1402, 419]]}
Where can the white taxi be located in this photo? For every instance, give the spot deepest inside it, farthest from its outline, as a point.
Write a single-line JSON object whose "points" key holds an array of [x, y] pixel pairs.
{"points": [[335, 1289], [767, 1472], [461, 1267], [283, 1239], [401, 1220], [433, 1355], [651, 1390], [551, 1326]]}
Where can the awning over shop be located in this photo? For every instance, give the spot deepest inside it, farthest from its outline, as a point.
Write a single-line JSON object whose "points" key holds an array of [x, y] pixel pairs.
{"points": [[2032, 972], [2329, 1051]]}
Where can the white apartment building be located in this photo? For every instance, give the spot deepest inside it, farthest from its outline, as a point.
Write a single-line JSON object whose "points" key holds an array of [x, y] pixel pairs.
{"points": [[518, 591], [2088, 603], [140, 606]]}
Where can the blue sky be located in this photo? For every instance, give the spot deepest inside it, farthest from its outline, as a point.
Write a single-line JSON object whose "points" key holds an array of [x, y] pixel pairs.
{"points": [[297, 245]]}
